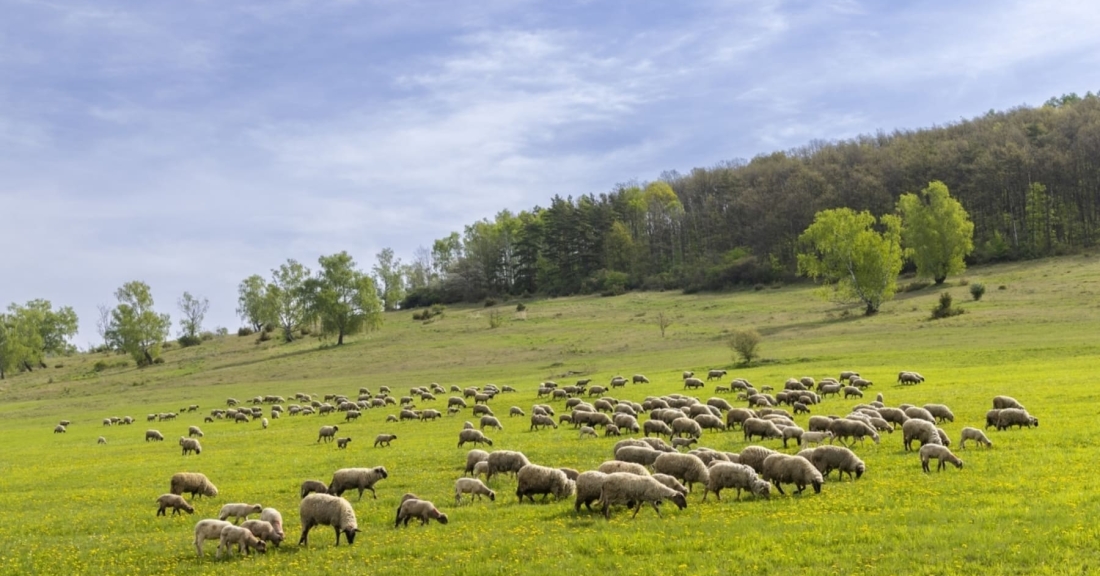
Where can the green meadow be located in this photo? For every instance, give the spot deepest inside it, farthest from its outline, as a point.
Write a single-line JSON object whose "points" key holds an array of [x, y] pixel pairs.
{"points": [[1027, 506]]}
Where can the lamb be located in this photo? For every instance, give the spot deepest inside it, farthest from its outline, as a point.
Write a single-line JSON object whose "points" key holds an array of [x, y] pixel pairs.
{"points": [[264, 531], [534, 479], [785, 469], [384, 439], [733, 475], [790, 432], [194, 482], [942, 453], [175, 502], [208, 529], [671, 483], [472, 458], [624, 488], [637, 454], [101, 440], [1018, 417], [976, 435], [422, 509], [327, 433], [844, 461], [687, 468], [683, 442], [190, 445], [342, 443], [311, 486], [588, 431], [1002, 402], [940, 412], [515, 411], [762, 428], [815, 438], [541, 420], [273, 517], [658, 444], [239, 511], [613, 466], [326, 510], [588, 487], [920, 430], [356, 478], [194, 431], [505, 461], [474, 436], [154, 435], [474, 487], [481, 469]]}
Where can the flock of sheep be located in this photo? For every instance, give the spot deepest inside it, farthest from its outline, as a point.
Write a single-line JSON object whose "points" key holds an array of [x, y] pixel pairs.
{"points": [[664, 463]]}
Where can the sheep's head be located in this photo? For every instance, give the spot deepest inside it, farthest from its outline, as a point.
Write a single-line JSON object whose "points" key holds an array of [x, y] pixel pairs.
{"points": [[350, 533], [441, 517], [382, 471], [680, 500], [209, 490], [817, 486], [860, 469]]}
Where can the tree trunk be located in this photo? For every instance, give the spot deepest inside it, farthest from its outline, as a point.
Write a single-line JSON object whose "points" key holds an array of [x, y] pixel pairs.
{"points": [[340, 338], [148, 358], [940, 279], [870, 311], [27, 366]]}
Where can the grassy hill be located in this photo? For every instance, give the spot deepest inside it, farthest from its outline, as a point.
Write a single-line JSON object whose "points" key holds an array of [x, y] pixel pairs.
{"points": [[1025, 506]]}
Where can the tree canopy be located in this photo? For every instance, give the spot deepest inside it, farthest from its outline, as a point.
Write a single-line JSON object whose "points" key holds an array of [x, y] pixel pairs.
{"points": [[136, 328], [936, 231], [343, 298], [253, 304], [287, 302]]}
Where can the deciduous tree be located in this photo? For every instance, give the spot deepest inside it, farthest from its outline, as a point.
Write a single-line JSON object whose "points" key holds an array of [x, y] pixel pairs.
{"points": [[343, 299], [936, 232], [136, 328]]}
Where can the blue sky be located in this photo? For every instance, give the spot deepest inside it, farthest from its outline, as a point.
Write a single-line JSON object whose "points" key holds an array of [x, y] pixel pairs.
{"points": [[191, 144]]}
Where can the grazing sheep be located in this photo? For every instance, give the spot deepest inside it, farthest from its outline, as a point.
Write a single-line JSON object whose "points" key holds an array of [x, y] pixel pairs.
{"points": [[658, 444], [800, 408], [175, 502], [613, 466], [208, 529], [422, 509], [356, 479], [976, 435], [625, 488], [637, 454], [685, 426], [618, 382], [570, 473], [895, 416], [194, 482], [754, 456], [588, 431], [815, 438], [311, 486], [844, 461], [785, 469], [671, 483], [327, 433], [273, 517], [59, 429], [154, 435], [762, 428], [861, 383], [710, 422], [342, 442], [194, 431], [190, 445], [474, 436], [850, 391], [855, 429], [534, 479], [505, 462], [731, 475], [687, 374], [239, 511], [588, 487], [326, 510], [515, 411], [481, 469], [991, 417], [264, 530], [716, 374], [472, 458], [683, 442], [1009, 417], [693, 383], [737, 416], [656, 427], [491, 422], [263, 421], [1002, 402], [467, 425], [640, 379], [543, 421], [920, 413], [473, 487], [941, 453], [940, 412], [921, 431], [687, 468], [101, 440], [384, 439]]}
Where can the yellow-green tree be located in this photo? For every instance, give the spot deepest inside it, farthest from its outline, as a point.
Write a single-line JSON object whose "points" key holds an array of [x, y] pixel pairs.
{"points": [[936, 231], [843, 248]]}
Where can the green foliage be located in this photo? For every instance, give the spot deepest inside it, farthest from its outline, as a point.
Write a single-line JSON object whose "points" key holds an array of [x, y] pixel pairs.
{"points": [[343, 298], [193, 311], [977, 290], [745, 345], [391, 284], [520, 307], [33, 331], [187, 341], [915, 286], [287, 301], [136, 328], [436, 310], [490, 302], [245, 331], [843, 249], [936, 231], [496, 319], [944, 308], [253, 304]]}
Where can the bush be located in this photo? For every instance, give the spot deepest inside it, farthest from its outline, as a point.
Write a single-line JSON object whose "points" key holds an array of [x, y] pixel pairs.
{"points": [[269, 328], [521, 307], [187, 341], [915, 286], [264, 336], [977, 290], [496, 319], [429, 313], [59, 365], [158, 360], [945, 309], [100, 366], [745, 344], [244, 331], [222, 331], [490, 302], [206, 336]]}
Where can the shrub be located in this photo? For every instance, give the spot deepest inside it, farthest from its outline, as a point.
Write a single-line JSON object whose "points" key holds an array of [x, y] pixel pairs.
{"points": [[1001, 287], [58, 365], [745, 344], [429, 313], [264, 336], [244, 331], [521, 307], [496, 319], [187, 341], [269, 328], [100, 365], [222, 331], [915, 286], [158, 360], [964, 282], [977, 290], [305, 330], [490, 302], [945, 309]]}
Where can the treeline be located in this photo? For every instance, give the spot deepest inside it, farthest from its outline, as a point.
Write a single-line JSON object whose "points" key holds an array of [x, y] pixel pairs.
{"points": [[1028, 177]]}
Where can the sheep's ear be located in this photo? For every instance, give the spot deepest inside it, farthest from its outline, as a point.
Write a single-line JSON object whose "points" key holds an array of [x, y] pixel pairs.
{"points": [[358, 530]]}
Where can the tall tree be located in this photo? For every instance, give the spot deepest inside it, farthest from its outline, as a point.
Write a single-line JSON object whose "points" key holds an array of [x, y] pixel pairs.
{"points": [[843, 248], [253, 305], [388, 273], [20, 341], [936, 231], [193, 312], [287, 301], [54, 327], [344, 299], [136, 328]]}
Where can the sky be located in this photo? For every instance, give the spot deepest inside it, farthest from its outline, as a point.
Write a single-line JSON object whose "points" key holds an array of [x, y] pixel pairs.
{"points": [[190, 144]]}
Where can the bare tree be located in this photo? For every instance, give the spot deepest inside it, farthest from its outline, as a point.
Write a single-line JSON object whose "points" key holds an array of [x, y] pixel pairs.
{"points": [[103, 323], [663, 322], [193, 310]]}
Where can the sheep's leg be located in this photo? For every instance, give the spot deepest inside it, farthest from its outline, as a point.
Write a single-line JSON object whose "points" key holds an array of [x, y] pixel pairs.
{"points": [[656, 508], [305, 533], [778, 487], [924, 466], [606, 510], [372, 492], [337, 535]]}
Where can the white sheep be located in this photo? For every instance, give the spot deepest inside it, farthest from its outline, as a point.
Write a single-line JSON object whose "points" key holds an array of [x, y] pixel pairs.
{"points": [[326, 510], [356, 479], [643, 455], [384, 439], [687, 468], [1018, 417], [1002, 402], [785, 469], [208, 529], [941, 453], [613, 466], [263, 530], [976, 435], [844, 461], [920, 430], [588, 487], [273, 517], [311, 486], [472, 458], [626, 488], [731, 475], [194, 482], [416, 508], [327, 433], [534, 479], [471, 435], [474, 487], [175, 502], [505, 462], [239, 511], [190, 445]]}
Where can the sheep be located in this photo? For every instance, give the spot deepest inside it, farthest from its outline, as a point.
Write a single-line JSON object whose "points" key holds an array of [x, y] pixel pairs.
{"points": [[542, 420], [921, 413], [613, 466], [467, 425], [844, 461], [534, 479], [693, 383], [505, 461], [976, 435], [273, 517], [848, 375], [640, 379], [239, 511], [190, 445], [481, 469], [588, 431], [175, 502], [637, 454], [1002, 402], [687, 374], [895, 416], [342, 442], [263, 421], [656, 427], [310, 486], [683, 442], [264, 530], [762, 428], [855, 429], [587, 487], [194, 482], [754, 456], [671, 483], [474, 436], [941, 453], [515, 411], [710, 422], [473, 457], [617, 382], [194, 431], [658, 444], [1018, 417], [208, 529], [326, 510], [327, 433], [991, 417], [687, 468], [627, 422], [785, 469], [356, 478], [861, 383], [816, 438], [940, 412], [154, 435], [623, 488], [384, 439], [473, 487], [491, 422], [59, 429], [422, 509], [707, 455], [716, 374], [685, 426], [920, 430], [850, 391], [101, 440], [732, 475]]}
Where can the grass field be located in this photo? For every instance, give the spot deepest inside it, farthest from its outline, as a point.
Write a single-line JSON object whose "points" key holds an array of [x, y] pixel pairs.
{"points": [[1027, 506]]}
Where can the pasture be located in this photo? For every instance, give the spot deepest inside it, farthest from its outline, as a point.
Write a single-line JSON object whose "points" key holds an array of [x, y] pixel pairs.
{"points": [[1026, 506]]}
